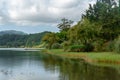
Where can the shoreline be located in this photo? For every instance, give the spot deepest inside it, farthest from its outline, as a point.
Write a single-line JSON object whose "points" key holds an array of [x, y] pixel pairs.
{"points": [[22, 49], [89, 57]]}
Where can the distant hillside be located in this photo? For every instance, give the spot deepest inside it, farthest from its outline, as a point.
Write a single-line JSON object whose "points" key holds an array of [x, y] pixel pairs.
{"points": [[18, 39], [10, 32], [35, 39]]}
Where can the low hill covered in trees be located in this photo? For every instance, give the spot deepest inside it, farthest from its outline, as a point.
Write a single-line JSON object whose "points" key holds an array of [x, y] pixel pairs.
{"points": [[20, 39]]}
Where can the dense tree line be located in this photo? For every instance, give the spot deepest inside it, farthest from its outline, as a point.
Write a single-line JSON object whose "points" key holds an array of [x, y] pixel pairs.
{"points": [[17, 40], [98, 30]]}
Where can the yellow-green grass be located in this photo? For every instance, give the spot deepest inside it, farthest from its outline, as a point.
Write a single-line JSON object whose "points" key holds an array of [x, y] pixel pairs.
{"points": [[91, 57]]}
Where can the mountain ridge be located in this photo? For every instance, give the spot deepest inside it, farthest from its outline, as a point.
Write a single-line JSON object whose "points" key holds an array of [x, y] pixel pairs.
{"points": [[10, 32]]}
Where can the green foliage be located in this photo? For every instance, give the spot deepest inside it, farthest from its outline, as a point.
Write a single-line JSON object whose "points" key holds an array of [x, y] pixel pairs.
{"points": [[97, 30], [110, 46], [98, 27], [34, 39], [117, 45], [103, 11], [81, 48], [56, 46], [62, 36], [50, 39], [89, 47], [98, 45], [77, 48], [66, 45], [15, 40], [106, 13]]}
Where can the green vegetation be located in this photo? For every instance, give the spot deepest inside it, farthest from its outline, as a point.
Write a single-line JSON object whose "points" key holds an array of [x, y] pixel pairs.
{"points": [[77, 48], [13, 40], [117, 45], [97, 31], [94, 39], [20, 40], [34, 40], [91, 57]]}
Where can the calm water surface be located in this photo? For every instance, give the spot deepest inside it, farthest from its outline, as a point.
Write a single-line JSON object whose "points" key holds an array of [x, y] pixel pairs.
{"points": [[33, 65]]}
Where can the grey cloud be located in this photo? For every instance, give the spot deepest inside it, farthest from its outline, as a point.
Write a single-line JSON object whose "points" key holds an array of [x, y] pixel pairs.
{"points": [[41, 11]]}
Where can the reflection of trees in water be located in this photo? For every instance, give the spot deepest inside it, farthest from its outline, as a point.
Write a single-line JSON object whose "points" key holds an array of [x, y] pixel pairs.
{"points": [[70, 70]]}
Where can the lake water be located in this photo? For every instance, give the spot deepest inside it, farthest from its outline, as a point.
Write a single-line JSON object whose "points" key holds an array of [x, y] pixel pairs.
{"points": [[33, 65]]}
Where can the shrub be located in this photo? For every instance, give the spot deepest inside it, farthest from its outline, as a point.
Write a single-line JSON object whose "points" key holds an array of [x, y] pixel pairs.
{"points": [[66, 45], [117, 45], [98, 45], [77, 48], [110, 46], [89, 47], [56, 46]]}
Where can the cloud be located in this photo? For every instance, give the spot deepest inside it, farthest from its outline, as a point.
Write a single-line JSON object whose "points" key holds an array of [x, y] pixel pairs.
{"points": [[36, 12], [64, 3]]}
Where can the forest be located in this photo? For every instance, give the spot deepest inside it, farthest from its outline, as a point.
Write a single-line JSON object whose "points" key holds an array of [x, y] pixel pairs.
{"points": [[20, 40], [98, 30]]}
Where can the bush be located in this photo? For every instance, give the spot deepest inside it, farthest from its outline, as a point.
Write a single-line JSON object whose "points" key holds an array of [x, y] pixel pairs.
{"points": [[110, 46], [66, 45], [117, 45], [77, 48], [89, 47], [98, 45], [56, 46]]}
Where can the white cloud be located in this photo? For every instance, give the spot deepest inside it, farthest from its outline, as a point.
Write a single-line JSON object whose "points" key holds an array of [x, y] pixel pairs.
{"points": [[35, 12]]}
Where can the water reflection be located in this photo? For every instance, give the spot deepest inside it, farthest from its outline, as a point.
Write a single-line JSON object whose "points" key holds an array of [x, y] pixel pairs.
{"points": [[71, 70], [17, 65]]}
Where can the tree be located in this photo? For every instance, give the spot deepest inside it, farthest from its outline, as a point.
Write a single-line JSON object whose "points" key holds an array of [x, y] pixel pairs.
{"points": [[84, 32], [62, 36], [119, 6], [106, 13], [101, 11], [50, 39], [65, 24]]}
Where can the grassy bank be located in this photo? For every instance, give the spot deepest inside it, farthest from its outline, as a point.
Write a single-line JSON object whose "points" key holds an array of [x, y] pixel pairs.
{"points": [[91, 57]]}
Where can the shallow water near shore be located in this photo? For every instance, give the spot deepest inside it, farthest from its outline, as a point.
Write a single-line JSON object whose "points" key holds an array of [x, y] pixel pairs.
{"points": [[33, 65]]}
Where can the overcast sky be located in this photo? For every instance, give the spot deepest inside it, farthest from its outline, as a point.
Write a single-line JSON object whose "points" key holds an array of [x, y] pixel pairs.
{"points": [[33, 16]]}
